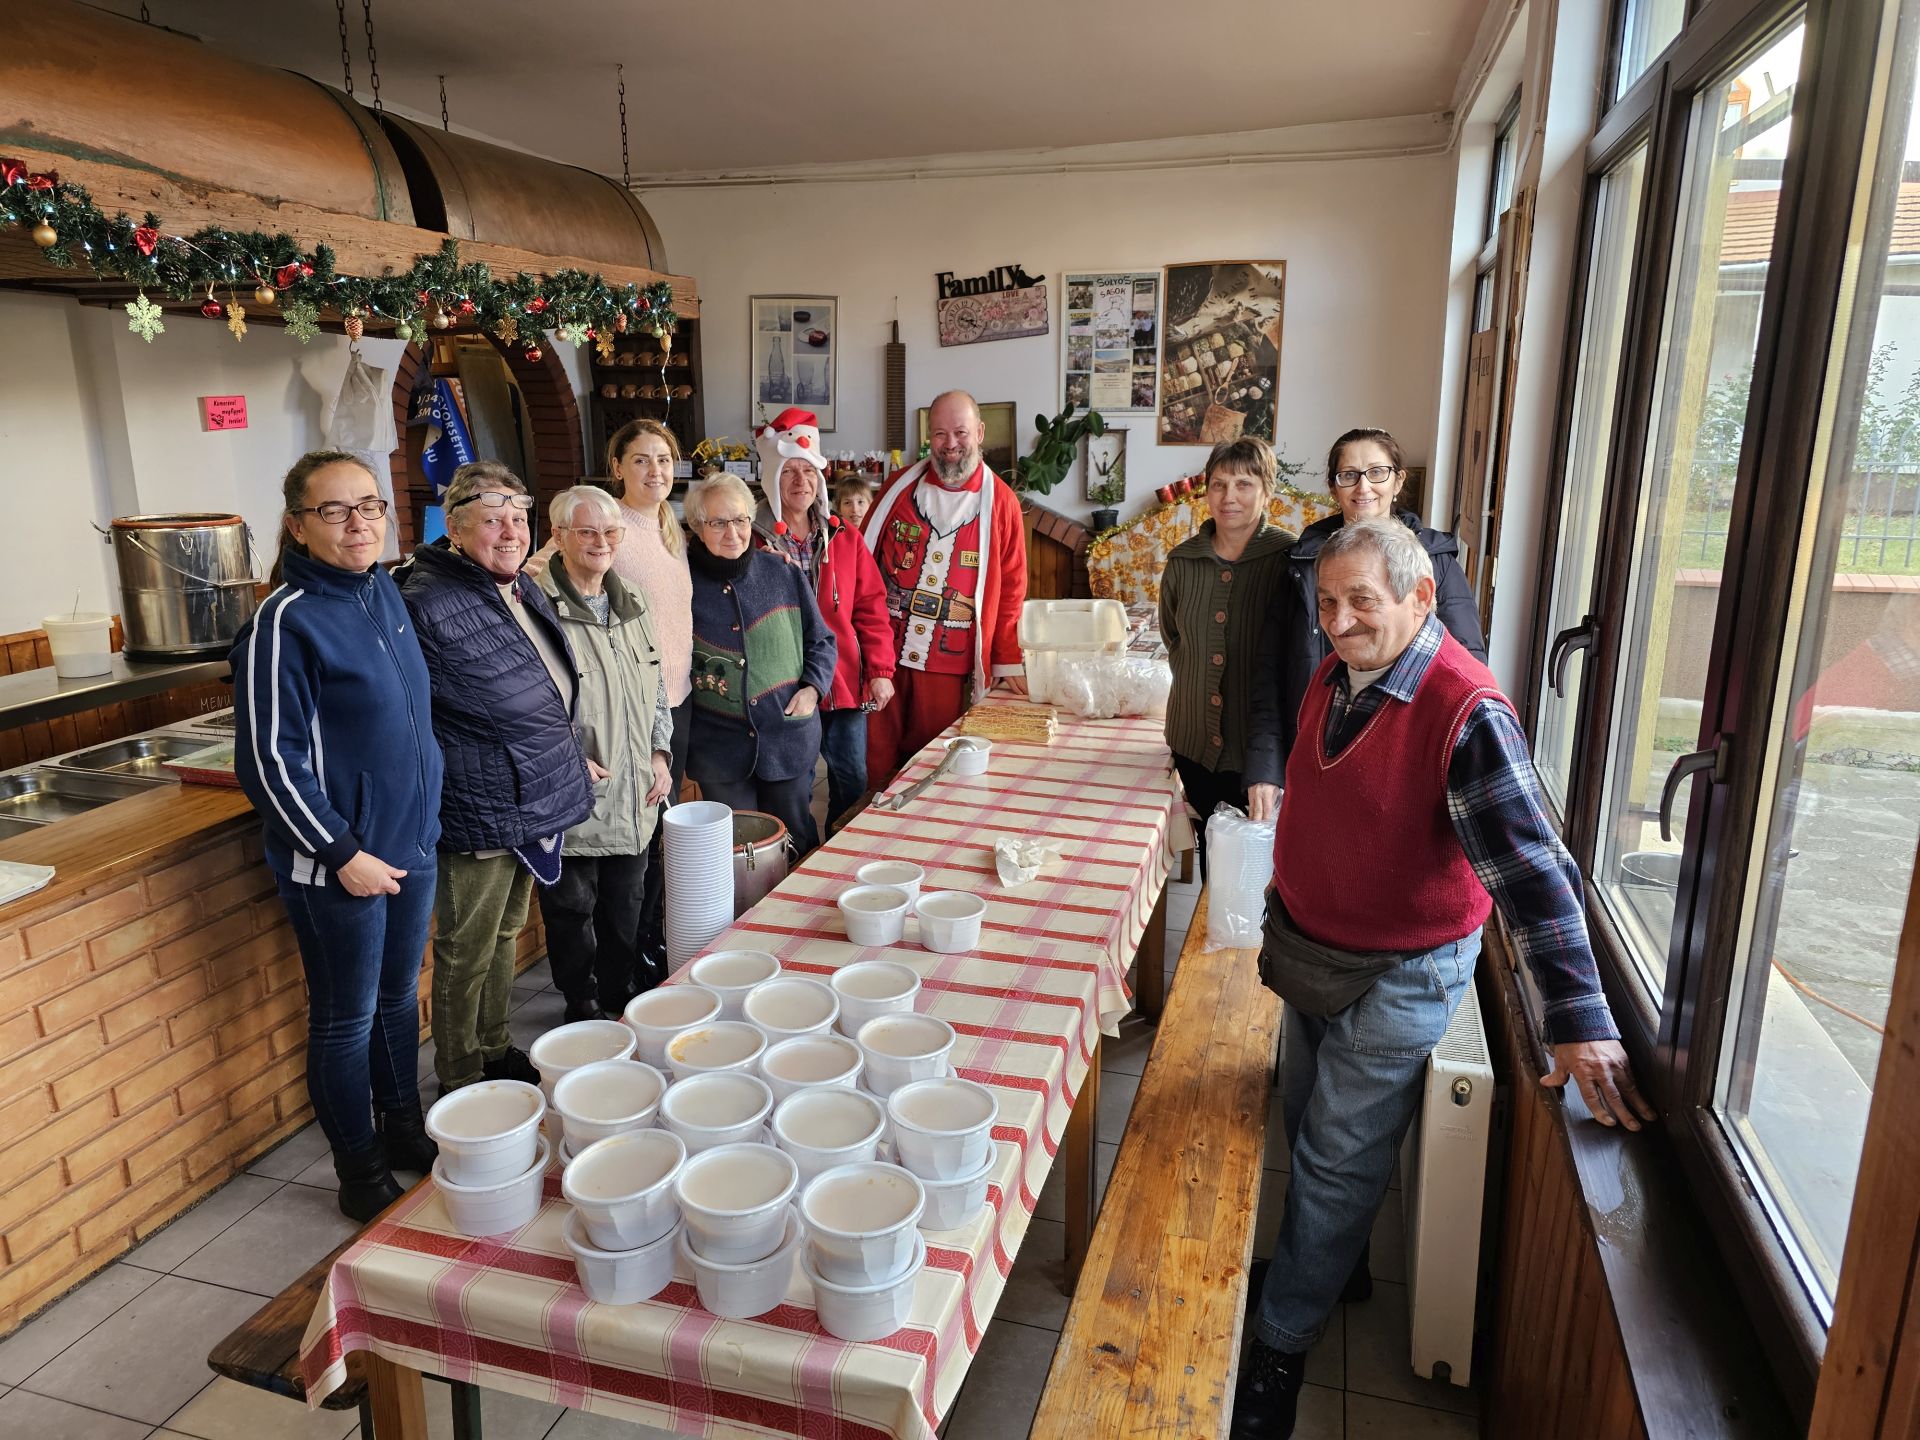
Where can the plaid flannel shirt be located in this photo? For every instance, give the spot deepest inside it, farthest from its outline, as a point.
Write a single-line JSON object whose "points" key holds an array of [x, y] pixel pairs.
{"points": [[1493, 799]]}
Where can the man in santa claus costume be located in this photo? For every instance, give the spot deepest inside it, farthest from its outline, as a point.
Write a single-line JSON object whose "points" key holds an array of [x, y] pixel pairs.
{"points": [[952, 551]]}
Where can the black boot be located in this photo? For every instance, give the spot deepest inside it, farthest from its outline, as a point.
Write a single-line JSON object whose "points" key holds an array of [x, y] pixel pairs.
{"points": [[404, 1134], [513, 1065], [367, 1186], [582, 1007], [1268, 1395]]}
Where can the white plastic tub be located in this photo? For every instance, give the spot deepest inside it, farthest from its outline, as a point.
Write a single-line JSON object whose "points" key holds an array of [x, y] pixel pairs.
{"points": [[874, 914], [828, 1126], [1052, 628], [871, 988], [735, 1200], [585, 1042], [950, 920], [623, 1187], [82, 643], [660, 1014], [942, 1128], [725, 1107], [951, 1203], [731, 974], [487, 1132], [971, 755], [895, 874], [498, 1207], [609, 1097], [865, 1312], [808, 1060], [739, 1292], [621, 1277], [722, 1045], [792, 1005], [900, 1049], [860, 1221]]}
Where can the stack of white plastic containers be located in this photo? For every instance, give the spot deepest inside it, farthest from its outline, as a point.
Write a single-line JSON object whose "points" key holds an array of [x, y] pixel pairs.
{"points": [[699, 879]]}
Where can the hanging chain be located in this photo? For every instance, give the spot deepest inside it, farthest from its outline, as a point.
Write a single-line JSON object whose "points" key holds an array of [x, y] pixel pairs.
{"points": [[373, 57], [445, 124], [626, 174], [346, 55]]}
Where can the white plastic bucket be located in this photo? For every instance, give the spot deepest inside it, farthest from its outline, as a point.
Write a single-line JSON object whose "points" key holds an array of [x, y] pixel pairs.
{"points": [[82, 643]]}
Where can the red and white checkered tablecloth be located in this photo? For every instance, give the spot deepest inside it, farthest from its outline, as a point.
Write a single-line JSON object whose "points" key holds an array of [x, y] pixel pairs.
{"points": [[1029, 1004]]}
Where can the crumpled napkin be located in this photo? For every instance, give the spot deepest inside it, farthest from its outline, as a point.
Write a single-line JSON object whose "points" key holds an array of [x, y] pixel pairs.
{"points": [[1018, 859]]}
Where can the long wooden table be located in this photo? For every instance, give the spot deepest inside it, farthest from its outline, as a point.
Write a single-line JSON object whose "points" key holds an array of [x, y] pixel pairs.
{"points": [[1030, 1005]]}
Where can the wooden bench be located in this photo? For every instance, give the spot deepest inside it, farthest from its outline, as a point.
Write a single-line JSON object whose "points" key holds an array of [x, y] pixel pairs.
{"points": [[1152, 1341]]}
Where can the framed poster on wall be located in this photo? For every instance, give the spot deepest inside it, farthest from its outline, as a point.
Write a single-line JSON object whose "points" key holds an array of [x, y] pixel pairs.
{"points": [[1109, 357], [793, 342], [1220, 350]]}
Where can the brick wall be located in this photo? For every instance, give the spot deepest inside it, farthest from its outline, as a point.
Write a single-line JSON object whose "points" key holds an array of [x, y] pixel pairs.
{"points": [[152, 1045]]}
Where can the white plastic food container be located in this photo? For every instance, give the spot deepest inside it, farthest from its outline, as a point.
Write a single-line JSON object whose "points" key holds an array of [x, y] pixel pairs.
{"points": [[872, 987], [1051, 628], [865, 1312], [497, 1207], [942, 1128], [896, 874], [726, 1107], [609, 1097], [722, 1045], [792, 1005], [621, 1277], [623, 1187], [900, 1049], [739, 1292], [828, 1126], [82, 643], [487, 1131], [971, 754], [735, 1201], [860, 1221], [950, 920], [662, 1013], [954, 1202], [730, 974], [584, 1042], [875, 914], [808, 1060]]}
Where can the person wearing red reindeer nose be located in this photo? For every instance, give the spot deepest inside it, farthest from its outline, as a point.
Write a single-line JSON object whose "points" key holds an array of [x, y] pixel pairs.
{"points": [[953, 555], [793, 523]]}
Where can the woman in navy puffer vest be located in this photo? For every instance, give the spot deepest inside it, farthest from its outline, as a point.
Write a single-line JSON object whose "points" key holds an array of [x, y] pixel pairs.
{"points": [[503, 703]]}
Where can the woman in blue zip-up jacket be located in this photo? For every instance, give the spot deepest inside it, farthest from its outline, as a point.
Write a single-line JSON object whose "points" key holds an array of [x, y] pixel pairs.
{"points": [[333, 744]]}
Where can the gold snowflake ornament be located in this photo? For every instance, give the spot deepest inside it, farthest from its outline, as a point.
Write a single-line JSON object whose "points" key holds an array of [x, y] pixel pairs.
{"points": [[237, 319], [144, 318]]}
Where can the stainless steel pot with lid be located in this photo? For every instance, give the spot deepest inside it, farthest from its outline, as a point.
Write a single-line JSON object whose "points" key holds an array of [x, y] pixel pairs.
{"points": [[186, 583]]}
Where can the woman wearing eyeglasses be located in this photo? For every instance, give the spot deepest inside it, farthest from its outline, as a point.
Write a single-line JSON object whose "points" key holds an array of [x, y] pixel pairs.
{"points": [[762, 658], [593, 914], [333, 744], [1366, 472], [505, 693]]}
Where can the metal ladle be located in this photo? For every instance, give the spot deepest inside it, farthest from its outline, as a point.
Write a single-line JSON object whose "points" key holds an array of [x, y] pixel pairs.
{"points": [[899, 802]]}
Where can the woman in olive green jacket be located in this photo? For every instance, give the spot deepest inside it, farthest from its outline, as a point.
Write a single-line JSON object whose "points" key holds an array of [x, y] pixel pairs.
{"points": [[593, 911]]}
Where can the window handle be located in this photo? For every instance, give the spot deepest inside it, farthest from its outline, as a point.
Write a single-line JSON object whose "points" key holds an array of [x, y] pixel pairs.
{"points": [[1578, 637], [1714, 760]]}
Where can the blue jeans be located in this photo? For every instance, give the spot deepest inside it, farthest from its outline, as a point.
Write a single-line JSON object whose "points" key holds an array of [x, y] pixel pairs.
{"points": [[843, 744], [362, 959], [1352, 1083]]}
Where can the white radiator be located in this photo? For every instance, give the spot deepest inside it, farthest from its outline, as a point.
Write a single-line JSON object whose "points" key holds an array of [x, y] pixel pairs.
{"points": [[1443, 1171]]}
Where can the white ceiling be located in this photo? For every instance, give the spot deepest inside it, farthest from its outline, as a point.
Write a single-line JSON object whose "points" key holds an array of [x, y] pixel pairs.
{"points": [[726, 84]]}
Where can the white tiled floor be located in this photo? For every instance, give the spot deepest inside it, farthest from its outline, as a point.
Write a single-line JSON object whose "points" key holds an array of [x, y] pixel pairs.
{"points": [[124, 1356]]}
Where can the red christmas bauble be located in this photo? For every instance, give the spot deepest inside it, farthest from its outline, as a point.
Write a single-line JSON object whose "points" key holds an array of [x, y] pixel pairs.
{"points": [[537, 305], [643, 305], [210, 308], [533, 352], [285, 276]]}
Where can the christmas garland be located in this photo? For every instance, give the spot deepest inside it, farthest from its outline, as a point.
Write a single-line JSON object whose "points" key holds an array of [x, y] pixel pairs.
{"points": [[434, 293]]}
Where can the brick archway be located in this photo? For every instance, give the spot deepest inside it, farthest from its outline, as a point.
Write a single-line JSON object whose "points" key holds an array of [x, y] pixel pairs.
{"points": [[553, 414]]}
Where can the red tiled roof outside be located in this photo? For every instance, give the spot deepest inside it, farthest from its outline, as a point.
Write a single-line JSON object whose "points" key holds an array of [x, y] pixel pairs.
{"points": [[1748, 234]]}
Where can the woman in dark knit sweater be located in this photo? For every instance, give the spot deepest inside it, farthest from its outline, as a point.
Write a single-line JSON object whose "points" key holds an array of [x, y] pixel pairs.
{"points": [[762, 658]]}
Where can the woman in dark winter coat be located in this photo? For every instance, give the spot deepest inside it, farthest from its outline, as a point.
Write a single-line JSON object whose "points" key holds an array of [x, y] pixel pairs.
{"points": [[504, 700], [334, 746], [762, 658], [1366, 470]]}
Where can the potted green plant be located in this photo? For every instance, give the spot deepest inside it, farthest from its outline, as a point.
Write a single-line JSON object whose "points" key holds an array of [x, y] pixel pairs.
{"points": [[1046, 465], [1109, 464]]}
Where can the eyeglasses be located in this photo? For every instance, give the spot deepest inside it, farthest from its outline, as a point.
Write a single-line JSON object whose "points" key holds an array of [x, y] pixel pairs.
{"points": [[334, 512], [731, 522], [612, 534], [494, 499], [1373, 475]]}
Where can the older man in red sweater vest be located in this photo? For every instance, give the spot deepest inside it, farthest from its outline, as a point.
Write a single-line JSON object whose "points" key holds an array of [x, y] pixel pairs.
{"points": [[1411, 810]]}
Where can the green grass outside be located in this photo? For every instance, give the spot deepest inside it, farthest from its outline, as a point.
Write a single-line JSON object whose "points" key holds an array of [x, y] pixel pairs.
{"points": [[1875, 552]]}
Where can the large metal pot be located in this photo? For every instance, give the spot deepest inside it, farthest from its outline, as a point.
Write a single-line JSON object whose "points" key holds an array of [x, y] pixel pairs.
{"points": [[186, 584], [759, 857]]}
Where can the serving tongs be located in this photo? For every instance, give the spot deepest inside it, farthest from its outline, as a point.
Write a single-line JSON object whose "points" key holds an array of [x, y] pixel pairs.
{"points": [[899, 802]]}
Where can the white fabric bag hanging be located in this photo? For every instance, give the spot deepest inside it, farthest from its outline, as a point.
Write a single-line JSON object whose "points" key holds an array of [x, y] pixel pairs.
{"points": [[360, 422]]}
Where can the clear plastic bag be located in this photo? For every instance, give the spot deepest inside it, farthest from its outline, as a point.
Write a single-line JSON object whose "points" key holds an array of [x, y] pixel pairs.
{"points": [[1102, 686], [360, 422], [1239, 865]]}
